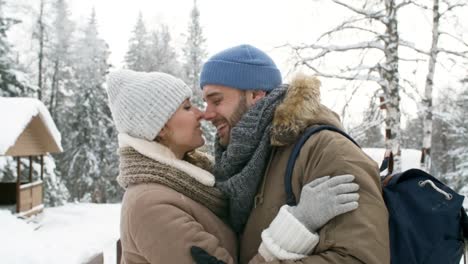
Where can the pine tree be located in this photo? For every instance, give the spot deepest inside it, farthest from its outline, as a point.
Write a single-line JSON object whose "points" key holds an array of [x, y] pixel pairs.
{"points": [[194, 50], [195, 53], [13, 82], [450, 143], [91, 148], [459, 134], [373, 138], [138, 51], [411, 135], [162, 56], [60, 76], [56, 193]]}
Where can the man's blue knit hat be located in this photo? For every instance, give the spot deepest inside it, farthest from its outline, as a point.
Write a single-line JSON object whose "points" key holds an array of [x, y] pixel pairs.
{"points": [[243, 67]]}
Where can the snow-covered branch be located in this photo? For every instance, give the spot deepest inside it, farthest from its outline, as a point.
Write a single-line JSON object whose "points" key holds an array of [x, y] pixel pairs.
{"points": [[403, 4], [411, 45], [355, 77], [451, 7], [463, 54], [377, 15], [454, 37], [335, 48], [349, 24]]}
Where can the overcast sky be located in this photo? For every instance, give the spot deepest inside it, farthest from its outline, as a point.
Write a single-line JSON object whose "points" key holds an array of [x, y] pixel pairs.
{"points": [[266, 24], [262, 23]]}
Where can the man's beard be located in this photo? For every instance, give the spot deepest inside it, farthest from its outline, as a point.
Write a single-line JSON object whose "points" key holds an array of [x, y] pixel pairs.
{"points": [[241, 108]]}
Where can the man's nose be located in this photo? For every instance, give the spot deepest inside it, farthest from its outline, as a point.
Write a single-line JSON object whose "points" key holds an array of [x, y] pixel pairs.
{"points": [[209, 114]]}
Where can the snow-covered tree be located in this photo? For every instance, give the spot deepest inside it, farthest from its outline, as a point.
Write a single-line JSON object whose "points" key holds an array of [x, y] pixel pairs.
{"points": [[89, 164], [373, 36], [161, 54], [56, 193], [462, 138], [377, 22], [40, 35], [13, 81], [137, 54], [411, 135], [194, 55], [194, 50], [60, 74], [450, 129], [458, 134], [373, 138], [368, 133], [441, 15]]}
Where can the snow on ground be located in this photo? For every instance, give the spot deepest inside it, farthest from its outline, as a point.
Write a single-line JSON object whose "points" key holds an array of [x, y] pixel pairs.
{"points": [[72, 233], [76, 232], [410, 158]]}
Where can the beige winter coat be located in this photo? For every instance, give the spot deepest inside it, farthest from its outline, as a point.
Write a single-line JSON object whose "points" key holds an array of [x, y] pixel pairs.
{"points": [[360, 236], [159, 225]]}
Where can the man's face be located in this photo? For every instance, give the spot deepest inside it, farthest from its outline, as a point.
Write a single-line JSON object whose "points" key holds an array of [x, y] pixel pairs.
{"points": [[225, 107]]}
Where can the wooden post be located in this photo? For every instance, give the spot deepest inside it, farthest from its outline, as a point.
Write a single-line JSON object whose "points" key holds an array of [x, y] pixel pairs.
{"points": [[42, 167], [18, 183], [30, 169], [119, 251]]}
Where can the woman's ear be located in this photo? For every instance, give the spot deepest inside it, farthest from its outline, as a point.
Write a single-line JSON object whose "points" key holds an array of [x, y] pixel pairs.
{"points": [[162, 134]]}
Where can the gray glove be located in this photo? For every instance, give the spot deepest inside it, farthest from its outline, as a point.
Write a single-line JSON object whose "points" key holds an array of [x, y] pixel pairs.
{"points": [[324, 198]]}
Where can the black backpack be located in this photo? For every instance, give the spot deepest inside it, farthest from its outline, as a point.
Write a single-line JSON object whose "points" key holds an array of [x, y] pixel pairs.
{"points": [[427, 222]]}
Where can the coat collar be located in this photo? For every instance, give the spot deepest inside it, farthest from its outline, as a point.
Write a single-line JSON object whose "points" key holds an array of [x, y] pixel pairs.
{"points": [[300, 109], [161, 153]]}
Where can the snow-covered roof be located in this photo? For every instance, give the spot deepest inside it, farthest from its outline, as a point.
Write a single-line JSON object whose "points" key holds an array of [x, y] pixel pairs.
{"points": [[16, 115]]}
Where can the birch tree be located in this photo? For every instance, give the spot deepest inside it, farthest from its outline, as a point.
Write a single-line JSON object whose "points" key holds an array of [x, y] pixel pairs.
{"points": [[381, 59], [427, 101], [383, 69]]}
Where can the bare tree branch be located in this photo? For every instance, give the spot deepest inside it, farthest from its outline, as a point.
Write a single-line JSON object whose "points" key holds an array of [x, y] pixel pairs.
{"points": [[346, 25], [334, 48], [403, 4], [454, 37], [462, 54], [421, 6], [356, 77], [453, 6], [410, 91], [378, 15], [410, 45]]}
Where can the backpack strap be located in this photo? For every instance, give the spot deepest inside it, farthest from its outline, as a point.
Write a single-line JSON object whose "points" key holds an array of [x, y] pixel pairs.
{"points": [[464, 221], [290, 198], [387, 163]]}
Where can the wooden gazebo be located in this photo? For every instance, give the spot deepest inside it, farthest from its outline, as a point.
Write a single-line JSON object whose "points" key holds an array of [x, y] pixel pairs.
{"points": [[28, 132]]}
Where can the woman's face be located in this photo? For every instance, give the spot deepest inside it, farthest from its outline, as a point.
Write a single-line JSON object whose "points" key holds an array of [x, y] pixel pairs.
{"points": [[182, 133]]}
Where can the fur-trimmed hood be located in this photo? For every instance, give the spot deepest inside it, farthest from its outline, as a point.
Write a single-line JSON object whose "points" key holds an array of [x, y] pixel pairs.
{"points": [[300, 109]]}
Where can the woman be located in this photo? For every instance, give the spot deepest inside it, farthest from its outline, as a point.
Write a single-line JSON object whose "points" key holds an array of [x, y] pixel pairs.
{"points": [[170, 203]]}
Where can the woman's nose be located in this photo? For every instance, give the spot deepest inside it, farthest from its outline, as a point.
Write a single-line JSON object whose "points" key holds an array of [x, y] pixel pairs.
{"points": [[198, 113]]}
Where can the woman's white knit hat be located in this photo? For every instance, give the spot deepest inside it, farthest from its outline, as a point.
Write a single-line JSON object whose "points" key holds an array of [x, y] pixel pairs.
{"points": [[142, 102]]}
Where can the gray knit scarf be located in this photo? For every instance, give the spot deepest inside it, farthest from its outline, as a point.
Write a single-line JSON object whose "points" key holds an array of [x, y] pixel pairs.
{"points": [[136, 168], [239, 168]]}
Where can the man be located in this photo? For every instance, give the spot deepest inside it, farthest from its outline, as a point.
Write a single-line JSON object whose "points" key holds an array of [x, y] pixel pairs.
{"points": [[258, 120]]}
